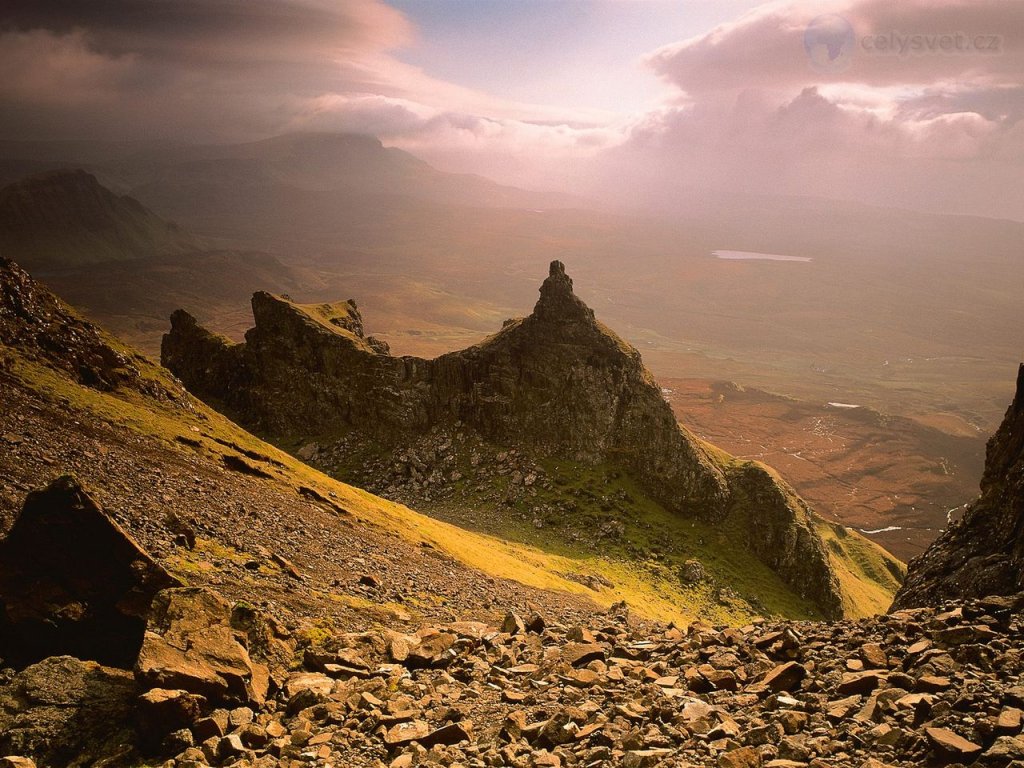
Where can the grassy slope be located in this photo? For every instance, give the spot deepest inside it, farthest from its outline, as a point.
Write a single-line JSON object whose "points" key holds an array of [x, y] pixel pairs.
{"points": [[868, 574], [643, 565]]}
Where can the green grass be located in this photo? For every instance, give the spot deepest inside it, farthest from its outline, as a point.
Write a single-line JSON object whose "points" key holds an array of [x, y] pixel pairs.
{"points": [[644, 562], [868, 575]]}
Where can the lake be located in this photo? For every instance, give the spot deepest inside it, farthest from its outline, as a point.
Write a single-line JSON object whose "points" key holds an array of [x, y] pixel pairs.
{"points": [[755, 256]]}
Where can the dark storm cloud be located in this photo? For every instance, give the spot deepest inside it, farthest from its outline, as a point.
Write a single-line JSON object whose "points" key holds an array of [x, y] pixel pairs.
{"points": [[206, 67], [213, 29]]}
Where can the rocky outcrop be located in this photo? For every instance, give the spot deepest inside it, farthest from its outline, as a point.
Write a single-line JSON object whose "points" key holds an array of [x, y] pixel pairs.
{"points": [[779, 529], [43, 330], [555, 384], [982, 553], [197, 642], [73, 582]]}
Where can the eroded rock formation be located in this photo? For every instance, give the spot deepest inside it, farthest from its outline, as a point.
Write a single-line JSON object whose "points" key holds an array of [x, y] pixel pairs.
{"points": [[557, 384]]}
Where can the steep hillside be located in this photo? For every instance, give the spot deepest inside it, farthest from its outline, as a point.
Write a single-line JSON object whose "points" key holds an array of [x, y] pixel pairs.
{"points": [[983, 553], [77, 401], [124, 266], [555, 386], [67, 218]]}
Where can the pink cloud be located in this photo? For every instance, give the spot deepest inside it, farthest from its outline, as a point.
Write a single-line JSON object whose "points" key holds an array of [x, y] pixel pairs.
{"points": [[892, 43], [918, 129]]}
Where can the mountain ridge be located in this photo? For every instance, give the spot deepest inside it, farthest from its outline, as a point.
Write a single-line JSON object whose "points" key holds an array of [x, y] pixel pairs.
{"points": [[41, 213]]}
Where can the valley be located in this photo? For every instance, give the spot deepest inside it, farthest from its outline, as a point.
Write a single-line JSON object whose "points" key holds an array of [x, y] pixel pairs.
{"points": [[896, 480], [434, 275]]}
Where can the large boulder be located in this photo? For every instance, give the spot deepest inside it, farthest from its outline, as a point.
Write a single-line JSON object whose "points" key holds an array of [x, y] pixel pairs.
{"points": [[73, 582], [63, 711], [195, 642]]}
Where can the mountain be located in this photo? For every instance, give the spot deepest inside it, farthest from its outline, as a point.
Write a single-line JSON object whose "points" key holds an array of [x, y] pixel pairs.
{"points": [[554, 387], [319, 162], [41, 215], [78, 401], [982, 553], [123, 265]]}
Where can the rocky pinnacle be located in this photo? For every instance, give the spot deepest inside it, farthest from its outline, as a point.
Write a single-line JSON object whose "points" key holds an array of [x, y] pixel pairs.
{"points": [[557, 302]]}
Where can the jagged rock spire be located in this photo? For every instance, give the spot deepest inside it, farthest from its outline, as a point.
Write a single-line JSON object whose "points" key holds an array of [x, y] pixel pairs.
{"points": [[557, 302]]}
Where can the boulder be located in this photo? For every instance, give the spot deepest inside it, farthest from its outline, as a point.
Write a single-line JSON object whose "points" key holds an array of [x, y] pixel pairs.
{"points": [[161, 711], [73, 582], [67, 712], [785, 677], [191, 644], [952, 747]]}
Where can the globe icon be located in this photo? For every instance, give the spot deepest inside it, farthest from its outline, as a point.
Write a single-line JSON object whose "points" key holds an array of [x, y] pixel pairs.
{"points": [[829, 42]]}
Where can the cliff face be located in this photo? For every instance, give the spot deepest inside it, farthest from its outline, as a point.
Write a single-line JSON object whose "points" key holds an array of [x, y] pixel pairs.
{"points": [[983, 553], [556, 384]]}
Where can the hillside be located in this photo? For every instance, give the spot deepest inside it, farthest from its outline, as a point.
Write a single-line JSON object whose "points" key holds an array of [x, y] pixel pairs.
{"points": [[124, 266], [41, 215], [554, 419], [78, 401]]}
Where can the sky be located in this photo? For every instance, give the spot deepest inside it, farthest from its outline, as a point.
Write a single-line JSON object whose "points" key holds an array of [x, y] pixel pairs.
{"points": [[917, 103]]}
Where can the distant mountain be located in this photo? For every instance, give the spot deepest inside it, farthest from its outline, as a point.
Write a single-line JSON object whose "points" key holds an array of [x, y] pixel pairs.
{"points": [[983, 553], [338, 162], [556, 386], [67, 218], [122, 264]]}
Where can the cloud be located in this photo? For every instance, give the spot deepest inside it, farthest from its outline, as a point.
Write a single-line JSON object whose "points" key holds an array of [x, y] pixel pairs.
{"points": [[750, 111], [914, 42], [926, 128], [226, 70], [218, 32], [205, 68]]}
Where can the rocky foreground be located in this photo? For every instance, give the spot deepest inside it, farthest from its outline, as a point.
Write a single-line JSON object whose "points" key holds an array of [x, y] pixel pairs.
{"points": [[195, 679], [109, 660], [216, 684]]}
